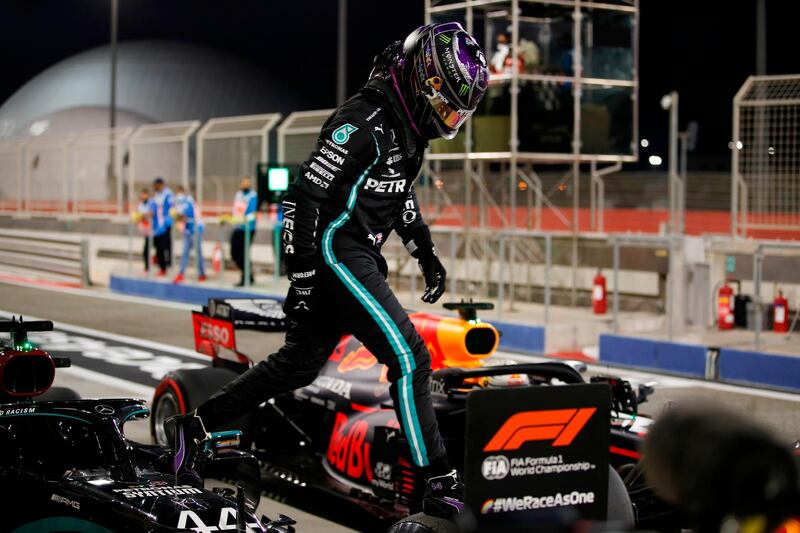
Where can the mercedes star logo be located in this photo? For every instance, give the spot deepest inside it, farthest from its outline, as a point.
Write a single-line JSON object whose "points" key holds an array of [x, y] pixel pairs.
{"points": [[104, 409]]}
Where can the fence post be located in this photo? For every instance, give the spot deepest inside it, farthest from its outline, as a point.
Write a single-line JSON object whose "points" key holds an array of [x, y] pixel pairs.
{"points": [[758, 310], [615, 245], [454, 286], [548, 260], [246, 252], [221, 252], [276, 251], [511, 260], [130, 248], [671, 288], [150, 251], [501, 277], [85, 281]]}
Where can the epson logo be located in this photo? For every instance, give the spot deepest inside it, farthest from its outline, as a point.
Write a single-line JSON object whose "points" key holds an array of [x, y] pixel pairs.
{"points": [[336, 158]]}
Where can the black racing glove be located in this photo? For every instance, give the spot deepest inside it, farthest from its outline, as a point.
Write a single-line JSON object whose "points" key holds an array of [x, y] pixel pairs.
{"points": [[422, 249], [300, 303]]}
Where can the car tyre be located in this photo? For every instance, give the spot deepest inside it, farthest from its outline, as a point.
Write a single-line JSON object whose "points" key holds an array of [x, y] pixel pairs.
{"points": [[183, 390], [620, 508], [422, 523]]}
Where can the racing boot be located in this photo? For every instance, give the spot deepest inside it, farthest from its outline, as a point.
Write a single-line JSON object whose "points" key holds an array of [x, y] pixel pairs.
{"points": [[444, 496], [186, 434]]}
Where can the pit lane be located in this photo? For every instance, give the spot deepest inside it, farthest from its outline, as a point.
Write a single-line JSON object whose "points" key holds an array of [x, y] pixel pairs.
{"points": [[120, 346]]}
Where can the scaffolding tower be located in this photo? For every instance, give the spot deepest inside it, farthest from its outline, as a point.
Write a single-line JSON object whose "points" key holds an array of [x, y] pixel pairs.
{"points": [[561, 105]]}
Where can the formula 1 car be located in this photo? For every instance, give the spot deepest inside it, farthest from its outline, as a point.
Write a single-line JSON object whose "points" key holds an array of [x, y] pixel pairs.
{"points": [[66, 464], [340, 433]]}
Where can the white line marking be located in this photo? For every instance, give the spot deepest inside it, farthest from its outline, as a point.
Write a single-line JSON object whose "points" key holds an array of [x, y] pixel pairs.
{"points": [[118, 338], [664, 381], [142, 392]]}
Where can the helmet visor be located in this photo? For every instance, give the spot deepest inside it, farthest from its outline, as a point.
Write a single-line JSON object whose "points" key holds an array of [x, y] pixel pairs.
{"points": [[451, 117]]}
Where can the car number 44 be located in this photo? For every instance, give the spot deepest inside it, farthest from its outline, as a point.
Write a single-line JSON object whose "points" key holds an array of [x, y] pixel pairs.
{"points": [[227, 521]]}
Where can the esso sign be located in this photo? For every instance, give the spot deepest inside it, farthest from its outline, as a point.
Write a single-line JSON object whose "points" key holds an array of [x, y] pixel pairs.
{"points": [[212, 330]]}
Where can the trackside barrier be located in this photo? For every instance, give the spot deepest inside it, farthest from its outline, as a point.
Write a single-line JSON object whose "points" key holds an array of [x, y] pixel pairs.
{"points": [[521, 337], [758, 368], [63, 255], [693, 360], [714, 364], [673, 357], [179, 292]]}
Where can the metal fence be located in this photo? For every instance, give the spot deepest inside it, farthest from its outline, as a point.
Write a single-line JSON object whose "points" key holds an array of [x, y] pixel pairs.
{"points": [[97, 187], [12, 180], [160, 150], [227, 149], [297, 135], [766, 155]]}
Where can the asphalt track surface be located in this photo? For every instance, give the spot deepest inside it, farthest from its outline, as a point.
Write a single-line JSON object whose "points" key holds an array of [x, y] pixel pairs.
{"points": [[121, 346]]}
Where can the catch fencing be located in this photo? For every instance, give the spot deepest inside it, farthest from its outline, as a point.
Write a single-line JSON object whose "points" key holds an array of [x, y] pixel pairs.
{"points": [[766, 156]]}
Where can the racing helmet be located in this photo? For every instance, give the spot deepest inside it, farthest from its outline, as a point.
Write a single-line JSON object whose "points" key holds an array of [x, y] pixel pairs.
{"points": [[440, 75]]}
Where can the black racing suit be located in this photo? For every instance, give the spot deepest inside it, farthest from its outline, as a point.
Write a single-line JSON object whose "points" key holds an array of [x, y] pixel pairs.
{"points": [[354, 189]]}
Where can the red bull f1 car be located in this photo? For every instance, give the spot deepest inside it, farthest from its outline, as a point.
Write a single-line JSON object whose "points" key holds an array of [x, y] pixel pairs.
{"points": [[340, 433], [67, 465]]}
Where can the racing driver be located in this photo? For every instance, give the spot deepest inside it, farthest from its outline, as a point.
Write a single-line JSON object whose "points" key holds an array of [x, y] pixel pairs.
{"points": [[354, 189]]}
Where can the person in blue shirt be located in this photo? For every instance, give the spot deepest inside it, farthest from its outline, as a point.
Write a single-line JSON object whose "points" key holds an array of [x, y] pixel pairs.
{"points": [[163, 202], [192, 233], [245, 204]]}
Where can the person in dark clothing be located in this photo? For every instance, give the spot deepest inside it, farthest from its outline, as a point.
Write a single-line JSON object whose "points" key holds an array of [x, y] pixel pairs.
{"points": [[142, 218], [245, 204], [354, 189]]}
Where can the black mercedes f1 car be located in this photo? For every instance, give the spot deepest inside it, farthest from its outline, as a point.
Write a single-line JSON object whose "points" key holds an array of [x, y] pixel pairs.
{"points": [[340, 433], [66, 464]]}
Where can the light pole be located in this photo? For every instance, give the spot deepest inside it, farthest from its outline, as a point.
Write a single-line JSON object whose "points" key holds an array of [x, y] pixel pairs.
{"points": [[341, 55], [112, 108], [677, 193]]}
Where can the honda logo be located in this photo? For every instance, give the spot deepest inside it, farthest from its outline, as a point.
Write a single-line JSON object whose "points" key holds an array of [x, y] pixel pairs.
{"points": [[559, 425]]}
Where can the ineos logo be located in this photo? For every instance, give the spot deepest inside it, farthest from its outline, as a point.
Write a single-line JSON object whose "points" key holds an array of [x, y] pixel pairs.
{"points": [[104, 409]]}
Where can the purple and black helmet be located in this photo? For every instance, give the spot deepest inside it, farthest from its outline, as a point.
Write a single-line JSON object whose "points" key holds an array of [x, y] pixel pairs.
{"points": [[441, 75]]}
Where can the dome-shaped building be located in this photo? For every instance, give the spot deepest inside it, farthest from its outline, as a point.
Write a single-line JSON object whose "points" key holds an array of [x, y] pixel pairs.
{"points": [[157, 81]]}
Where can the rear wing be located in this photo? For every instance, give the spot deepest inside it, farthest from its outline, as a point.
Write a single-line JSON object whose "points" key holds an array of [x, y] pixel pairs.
{"points": [[215, 326], [260, 314]]}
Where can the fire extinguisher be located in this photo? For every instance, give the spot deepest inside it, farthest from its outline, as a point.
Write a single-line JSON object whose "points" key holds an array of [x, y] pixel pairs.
{"points": [[725, 318], [780, 316], [216, 259], [599, 296]]}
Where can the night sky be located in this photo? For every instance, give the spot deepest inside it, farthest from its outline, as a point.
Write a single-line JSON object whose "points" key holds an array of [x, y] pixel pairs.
{"points": [[703, 48]]}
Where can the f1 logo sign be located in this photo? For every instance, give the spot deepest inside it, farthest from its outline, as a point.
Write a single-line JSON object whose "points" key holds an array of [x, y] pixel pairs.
{"points": [[559, 425]]}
